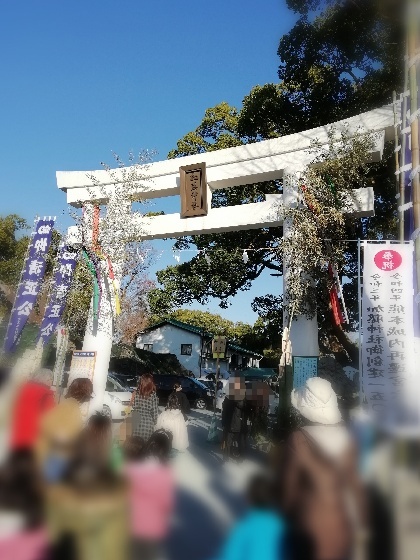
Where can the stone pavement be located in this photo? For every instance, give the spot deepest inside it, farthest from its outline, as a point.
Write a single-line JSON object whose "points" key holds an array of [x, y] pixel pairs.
{"points": [[210, 495]]}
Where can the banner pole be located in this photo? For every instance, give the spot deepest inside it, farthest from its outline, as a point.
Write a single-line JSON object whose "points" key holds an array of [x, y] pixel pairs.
{"points": [[359, 296], [217, 383]]}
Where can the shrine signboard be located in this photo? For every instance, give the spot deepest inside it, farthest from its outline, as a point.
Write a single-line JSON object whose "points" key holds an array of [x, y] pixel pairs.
{"points": [[218, 346], [82, 365], [390, 381], [304, 367], [193, 190]]}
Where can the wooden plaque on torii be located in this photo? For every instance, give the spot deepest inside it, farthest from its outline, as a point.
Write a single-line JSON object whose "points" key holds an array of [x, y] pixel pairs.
{"points": [[193, 190]]}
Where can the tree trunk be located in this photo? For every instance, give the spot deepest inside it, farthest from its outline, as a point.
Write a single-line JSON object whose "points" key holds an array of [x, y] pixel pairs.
{"points": [[351, 348]]}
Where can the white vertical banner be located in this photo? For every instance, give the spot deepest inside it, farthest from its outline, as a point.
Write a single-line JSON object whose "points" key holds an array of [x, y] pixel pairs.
{"points": [[390, 381]]}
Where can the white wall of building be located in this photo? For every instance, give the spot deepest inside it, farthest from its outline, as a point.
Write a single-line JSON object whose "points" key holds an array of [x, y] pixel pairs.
{"points": [[167, 339]]}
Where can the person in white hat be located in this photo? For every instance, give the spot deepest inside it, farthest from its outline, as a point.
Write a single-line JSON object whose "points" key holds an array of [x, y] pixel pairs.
{"points": [[321, 491]]}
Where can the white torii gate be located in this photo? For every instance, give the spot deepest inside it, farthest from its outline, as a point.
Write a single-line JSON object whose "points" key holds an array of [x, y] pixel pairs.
{"points": [[279, 158]]}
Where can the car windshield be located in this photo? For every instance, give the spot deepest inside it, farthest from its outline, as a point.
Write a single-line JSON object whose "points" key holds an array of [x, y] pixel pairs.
{"points": [[199, 383], [118, 385]]}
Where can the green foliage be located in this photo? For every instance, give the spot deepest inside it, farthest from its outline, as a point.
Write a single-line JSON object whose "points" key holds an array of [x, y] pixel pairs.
{"points": [[346, 60], [78, 302], [214, 324], [27, 340], [340, 58], [13, 249], [150, 214], [222, 278], [268, 111], [269, 324], [125, 359], [217, 130], [241, 333], [271, 357], [13, 246]]}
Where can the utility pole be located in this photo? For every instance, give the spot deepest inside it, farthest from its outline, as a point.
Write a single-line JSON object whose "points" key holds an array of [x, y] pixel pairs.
{"points": [[217, 382], [218, 348]]}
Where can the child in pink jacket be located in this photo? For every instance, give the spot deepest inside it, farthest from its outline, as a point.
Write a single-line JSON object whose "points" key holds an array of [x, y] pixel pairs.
{"points": [[151, 493]]}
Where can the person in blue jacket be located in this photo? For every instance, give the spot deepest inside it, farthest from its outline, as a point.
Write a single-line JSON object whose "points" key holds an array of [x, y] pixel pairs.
{"points": [[260, 534]]}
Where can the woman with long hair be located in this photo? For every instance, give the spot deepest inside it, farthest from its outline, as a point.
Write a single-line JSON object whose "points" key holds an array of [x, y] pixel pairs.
{"points": [[145, 407]]}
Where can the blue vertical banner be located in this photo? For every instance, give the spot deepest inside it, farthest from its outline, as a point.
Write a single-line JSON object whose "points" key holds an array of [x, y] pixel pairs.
{"points": [[67, 260], [31, 280]]}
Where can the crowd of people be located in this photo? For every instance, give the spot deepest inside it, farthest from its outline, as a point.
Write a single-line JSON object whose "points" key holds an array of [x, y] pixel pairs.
{"points": [[64, 487], [75, 494], [145, 413]]}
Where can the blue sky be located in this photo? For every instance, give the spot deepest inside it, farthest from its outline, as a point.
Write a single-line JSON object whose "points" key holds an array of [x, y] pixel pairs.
{"points": [[82, 79]]}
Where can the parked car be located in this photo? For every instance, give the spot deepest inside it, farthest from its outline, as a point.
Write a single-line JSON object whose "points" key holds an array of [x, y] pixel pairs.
{"points": [[207, 383], [117, 398], [212, 373], [130, 381], [197, 393]]}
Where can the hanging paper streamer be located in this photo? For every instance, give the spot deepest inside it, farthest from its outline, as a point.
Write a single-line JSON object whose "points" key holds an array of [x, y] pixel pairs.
{"points": [[95, 227], [332, 188], [115, 286], [31, 279], [93, 259], [245, 257], [92, 270], [335, 303], [111, 275], [98, 253], [335, 307], [96, 261], [310, 200], [67, 260]]}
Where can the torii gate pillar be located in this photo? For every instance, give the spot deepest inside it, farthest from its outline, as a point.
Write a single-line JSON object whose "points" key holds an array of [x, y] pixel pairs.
{"points": [[303, 331]]}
